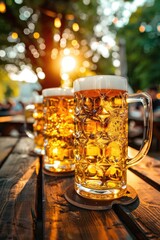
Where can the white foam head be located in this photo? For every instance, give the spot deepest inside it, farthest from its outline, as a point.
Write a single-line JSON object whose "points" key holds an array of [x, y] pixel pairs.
{"points": [[100, 82], [57, 92]]}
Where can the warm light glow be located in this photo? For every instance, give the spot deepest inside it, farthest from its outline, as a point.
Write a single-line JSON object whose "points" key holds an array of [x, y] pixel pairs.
{"points": [[142, 28], [65, 76], [66, 51], [75, 27], [68, 63], [63, 43], [57, 22], [56, 37], [36, 35], [75, 43], [42, 46], [26, 75], [41, 75], [86, 64], [54, 53], [2, 7], [158, 28], [14, 35], [115, 20], [82, 69], [158, 95]]}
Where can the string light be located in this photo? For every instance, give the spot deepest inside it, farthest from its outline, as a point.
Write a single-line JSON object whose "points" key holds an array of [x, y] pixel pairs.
{"points": [[14, 35], [2, 7], [75, 27], [57, 22], [36, 35], [142, 28], [158, 95]]}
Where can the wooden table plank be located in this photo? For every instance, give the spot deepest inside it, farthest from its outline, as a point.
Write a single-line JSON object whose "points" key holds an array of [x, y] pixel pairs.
{"points": [[145, 216], [18, 195], [85, 224], [13, 118], [18, 186], [65, 221], [149, 167], [6, 146], [14, 122]]}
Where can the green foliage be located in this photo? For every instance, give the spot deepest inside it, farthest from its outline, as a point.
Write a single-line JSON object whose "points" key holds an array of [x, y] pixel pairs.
{"points": [[8, 88], [143, 56]]}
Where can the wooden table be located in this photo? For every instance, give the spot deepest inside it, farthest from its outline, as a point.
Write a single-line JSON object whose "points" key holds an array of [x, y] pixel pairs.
{"points": [[33, 205], [14, 122]]}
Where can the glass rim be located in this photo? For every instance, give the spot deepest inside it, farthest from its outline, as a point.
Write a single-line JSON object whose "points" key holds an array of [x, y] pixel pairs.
{"points": [[58, 91], [100, 82]]}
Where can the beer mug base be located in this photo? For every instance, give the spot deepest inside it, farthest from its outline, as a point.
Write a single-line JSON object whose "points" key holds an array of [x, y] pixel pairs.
{"points": [[57, 166], [95, 194]]}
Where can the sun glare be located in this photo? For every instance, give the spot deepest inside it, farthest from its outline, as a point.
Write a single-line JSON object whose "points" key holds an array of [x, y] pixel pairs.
{"points": [[68, 63]]}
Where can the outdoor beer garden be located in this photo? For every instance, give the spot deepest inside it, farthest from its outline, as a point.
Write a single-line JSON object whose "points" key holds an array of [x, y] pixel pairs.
{"points": [[80, 119]]}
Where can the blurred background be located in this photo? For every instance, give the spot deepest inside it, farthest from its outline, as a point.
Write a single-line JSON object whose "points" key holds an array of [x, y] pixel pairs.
{"points": [[50, 43]]}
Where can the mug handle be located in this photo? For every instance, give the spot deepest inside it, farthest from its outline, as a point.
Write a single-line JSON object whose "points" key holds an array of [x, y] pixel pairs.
{"points": [[28, 112], [146, 101]]}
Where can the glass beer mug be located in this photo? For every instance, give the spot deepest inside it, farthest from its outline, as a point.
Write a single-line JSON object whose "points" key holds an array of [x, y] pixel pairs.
{"points": [[58, 130], [35, 112], [101, 135]]}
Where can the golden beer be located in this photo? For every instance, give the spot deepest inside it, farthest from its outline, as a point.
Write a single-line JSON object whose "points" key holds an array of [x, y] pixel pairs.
{"points": [[36, 111], [101, 137], [58, 129], [38, 127]]}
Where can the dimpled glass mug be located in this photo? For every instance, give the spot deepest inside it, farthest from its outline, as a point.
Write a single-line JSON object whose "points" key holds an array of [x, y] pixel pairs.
{"points": [[101, 135], [35, 111], [58, 129]]}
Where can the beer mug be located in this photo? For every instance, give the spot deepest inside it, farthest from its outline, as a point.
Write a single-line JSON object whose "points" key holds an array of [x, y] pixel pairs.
{"points": [[34, 113], [58, 129], [101, 135]]}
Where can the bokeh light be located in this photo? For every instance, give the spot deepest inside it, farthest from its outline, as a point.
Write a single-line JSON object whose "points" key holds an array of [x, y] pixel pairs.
{"points": [[2, 7], [68, 63]]}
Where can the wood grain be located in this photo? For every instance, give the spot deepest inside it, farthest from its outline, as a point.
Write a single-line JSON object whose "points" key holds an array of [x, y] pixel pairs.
{"points": [[24, 190], [148, 167], [139, 220], [6, 146], [65, 221], [145, 216], [18, 181]]}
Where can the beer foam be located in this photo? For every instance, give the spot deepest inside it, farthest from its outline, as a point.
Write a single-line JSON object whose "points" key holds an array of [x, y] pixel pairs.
{"points": [[57, 92], [100, 82]]}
